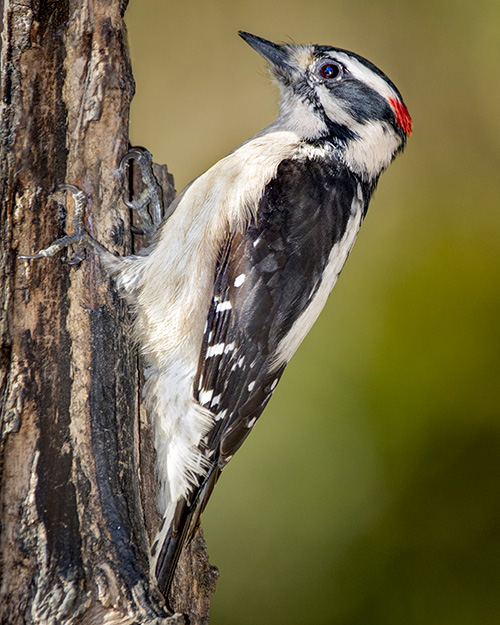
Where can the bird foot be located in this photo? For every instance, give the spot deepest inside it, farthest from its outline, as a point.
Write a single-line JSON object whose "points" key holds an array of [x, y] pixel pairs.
{"points": [[79, 236], [149, 204]]}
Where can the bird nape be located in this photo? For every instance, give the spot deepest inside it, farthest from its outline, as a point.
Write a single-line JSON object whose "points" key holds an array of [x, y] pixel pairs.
{"points": [[239, 272]]}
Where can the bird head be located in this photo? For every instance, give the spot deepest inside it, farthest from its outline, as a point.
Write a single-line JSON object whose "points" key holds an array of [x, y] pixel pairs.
{"points": [[338, 96]]}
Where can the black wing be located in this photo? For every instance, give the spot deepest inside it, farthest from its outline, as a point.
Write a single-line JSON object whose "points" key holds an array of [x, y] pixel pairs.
{"points": [[265, 279]]}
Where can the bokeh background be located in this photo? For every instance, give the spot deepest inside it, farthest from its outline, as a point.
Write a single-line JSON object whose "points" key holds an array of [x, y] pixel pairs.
{"points": [[368, 493]]}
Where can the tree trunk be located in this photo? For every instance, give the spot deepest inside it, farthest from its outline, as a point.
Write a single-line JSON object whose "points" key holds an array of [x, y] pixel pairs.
{"points": [[77, 498]]}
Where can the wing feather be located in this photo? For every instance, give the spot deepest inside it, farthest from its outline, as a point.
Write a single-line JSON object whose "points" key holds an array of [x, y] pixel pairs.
{"points": [[265, 279]]}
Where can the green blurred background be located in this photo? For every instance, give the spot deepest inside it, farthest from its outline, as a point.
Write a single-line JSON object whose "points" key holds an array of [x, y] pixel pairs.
{"points": [[368, 494]]}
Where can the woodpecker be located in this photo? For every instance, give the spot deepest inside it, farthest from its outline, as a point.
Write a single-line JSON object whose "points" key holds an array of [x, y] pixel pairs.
{"points": [[236, 276]]}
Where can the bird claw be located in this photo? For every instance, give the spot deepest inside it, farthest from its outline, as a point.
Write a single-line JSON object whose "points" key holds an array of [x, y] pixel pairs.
{"points": [[149, 204], [77, 258], [79, 235], [58, 245]]}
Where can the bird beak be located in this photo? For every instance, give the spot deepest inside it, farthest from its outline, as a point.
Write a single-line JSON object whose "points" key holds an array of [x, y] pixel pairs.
{"points": [[276, 55]]}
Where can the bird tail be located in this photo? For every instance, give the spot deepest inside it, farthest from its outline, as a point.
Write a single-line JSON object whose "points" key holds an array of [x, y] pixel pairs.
{"points": [[179, 524]]}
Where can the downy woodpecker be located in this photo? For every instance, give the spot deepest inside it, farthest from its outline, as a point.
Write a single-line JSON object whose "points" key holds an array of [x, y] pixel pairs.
{"points": [[239, 272]]}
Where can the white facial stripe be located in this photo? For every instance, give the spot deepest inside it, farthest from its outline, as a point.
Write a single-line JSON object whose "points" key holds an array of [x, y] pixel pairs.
{"points": [[334, 109], [376, 142], [373, 151], [364, 74]]}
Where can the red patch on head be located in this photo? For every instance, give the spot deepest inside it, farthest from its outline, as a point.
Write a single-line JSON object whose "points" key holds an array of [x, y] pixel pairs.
{"points": [[402, 116]]}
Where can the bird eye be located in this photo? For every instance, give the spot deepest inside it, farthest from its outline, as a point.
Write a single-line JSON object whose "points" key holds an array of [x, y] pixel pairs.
{"points": [[330, 70]]}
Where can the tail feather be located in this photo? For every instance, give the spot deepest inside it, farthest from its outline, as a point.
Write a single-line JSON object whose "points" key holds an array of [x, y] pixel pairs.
{"points": [[178, 527]]}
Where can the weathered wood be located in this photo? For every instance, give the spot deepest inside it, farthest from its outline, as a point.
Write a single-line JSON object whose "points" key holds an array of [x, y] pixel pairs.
{"points": [[77, 478]]}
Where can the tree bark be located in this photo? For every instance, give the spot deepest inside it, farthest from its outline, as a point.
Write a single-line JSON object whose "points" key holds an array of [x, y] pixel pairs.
{"points": [[77, 465]]}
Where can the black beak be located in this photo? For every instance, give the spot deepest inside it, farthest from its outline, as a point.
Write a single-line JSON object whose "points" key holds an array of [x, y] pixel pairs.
{"points": [[276, 55]]}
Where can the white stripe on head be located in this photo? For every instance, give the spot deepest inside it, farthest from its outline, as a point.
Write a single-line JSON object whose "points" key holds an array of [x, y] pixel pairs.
{"points": [[366, 75], [375, 145]]}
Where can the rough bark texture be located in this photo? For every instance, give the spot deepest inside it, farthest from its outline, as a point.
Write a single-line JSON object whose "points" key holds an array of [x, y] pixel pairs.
{"points": [[77, 483]]}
